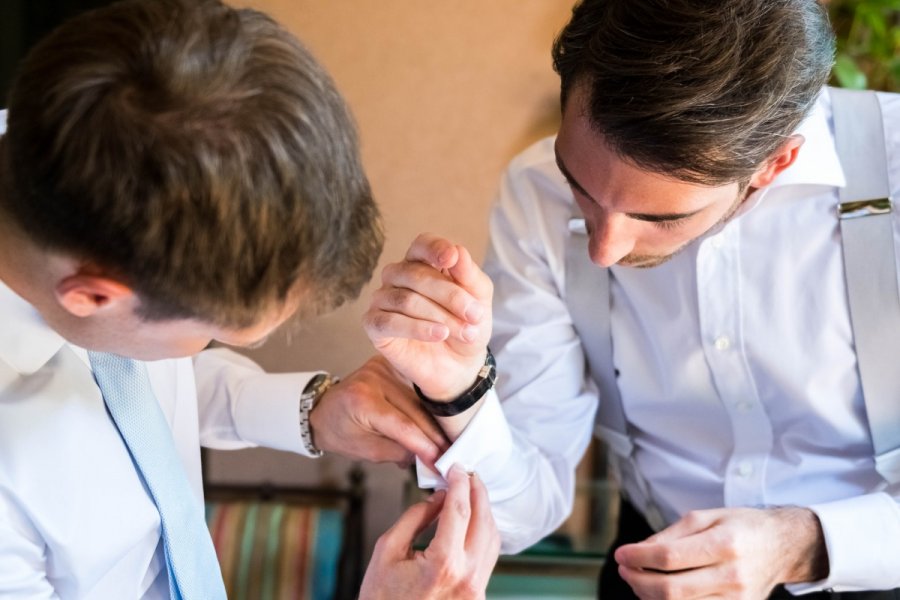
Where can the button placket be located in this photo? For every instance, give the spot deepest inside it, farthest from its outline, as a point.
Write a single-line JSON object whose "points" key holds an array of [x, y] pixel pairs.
{"points": [[718, 282]]}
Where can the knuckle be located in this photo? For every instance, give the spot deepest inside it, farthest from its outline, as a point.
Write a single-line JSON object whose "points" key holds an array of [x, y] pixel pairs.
{"points": [[461, 508], [730, 548], [469, 590], [668, 558], [382, 543], [388, 272], [692, 519], [380, 322], [457, 300], [400, 299]]}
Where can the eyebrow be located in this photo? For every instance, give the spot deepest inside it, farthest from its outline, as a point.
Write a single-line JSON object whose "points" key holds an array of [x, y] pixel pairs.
{"points": [[650, 217]]}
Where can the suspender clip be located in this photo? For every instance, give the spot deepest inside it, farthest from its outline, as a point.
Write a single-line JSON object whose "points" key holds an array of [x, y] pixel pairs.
{"points": [[864, 208]]}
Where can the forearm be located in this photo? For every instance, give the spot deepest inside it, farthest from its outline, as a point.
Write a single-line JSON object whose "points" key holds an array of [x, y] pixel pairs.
{"points": [[802, 545], [241, 405]]}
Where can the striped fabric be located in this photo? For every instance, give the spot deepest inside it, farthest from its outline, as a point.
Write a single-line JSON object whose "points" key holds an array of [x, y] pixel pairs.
{"points": [[276, 551]]}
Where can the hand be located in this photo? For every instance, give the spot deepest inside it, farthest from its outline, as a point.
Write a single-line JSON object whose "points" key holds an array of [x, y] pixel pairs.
{"points": [[431, 318], [738, 553], [456, 564], [374, 415]]}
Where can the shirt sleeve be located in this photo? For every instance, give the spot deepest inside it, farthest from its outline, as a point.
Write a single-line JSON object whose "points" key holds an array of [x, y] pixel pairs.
{"points": [[23, 569], [243, 406], [526, 447], [861, 536]]}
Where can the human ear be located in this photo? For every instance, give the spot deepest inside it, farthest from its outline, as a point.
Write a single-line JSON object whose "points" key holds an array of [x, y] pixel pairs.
{"points": [[84, 295], [778, 162]]}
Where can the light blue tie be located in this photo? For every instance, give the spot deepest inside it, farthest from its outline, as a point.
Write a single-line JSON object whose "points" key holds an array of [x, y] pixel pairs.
{"points": [[194, 572]]}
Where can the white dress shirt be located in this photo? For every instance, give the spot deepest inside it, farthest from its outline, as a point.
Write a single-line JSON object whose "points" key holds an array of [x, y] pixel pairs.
{"points": [[75, 518], [737, 369]]}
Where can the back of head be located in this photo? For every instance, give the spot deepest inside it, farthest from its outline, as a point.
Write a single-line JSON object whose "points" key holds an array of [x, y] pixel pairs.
{"points": [[700, 90], [195, 151]]}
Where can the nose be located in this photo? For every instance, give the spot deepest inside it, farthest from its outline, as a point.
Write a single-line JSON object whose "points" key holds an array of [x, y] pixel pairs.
{"points": [[611, 240]]}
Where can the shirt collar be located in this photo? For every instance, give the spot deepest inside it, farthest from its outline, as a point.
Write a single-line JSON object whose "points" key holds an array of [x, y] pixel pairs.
{"points": [[27, 343], [817, 162]]}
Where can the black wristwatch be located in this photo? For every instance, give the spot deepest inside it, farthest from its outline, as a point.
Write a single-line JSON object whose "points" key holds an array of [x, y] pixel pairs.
{"points": [[483, 382]]}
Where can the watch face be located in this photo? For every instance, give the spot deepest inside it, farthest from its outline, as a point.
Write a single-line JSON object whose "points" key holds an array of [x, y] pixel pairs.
{"points": [[315, 384]]}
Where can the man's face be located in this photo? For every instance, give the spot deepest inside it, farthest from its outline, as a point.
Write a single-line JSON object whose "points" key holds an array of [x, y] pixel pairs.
{"points": [[635, 218], [154, 340]]}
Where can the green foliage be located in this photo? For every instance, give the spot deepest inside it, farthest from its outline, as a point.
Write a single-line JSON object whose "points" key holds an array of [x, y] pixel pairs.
{"points": [[868, 43]]}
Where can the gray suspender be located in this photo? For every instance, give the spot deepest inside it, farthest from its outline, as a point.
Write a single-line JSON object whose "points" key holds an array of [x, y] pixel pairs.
{"points": [[588, 298], [867, 237], [868, 245]]}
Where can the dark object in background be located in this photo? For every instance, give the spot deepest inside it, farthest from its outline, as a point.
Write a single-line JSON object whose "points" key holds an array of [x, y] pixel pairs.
{"points": [[24, 22]]}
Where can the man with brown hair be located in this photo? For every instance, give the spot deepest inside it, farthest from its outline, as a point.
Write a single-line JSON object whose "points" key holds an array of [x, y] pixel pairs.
{"points": [[697, 164], [175, 172]]}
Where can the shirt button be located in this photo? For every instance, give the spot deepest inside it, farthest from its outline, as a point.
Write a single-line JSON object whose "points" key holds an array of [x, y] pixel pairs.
{"points": [[717, 242], [745, 469], [744, 406], [722, 342]]}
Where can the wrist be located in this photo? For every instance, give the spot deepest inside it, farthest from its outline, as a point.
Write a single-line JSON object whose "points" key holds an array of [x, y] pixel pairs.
{"points": [[805, 542], [312, 394], [469, 397], [447, 392]]}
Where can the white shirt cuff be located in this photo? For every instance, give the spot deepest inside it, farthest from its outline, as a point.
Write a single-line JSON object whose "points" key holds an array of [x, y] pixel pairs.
{"points": [[485, 447], [267, 413], [862, 535]]}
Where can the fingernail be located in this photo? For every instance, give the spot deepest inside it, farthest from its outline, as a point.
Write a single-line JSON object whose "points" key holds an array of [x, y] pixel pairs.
{"points": [[440, 332], [469, 333], [437, 496], [445, 256], [474, 312]]}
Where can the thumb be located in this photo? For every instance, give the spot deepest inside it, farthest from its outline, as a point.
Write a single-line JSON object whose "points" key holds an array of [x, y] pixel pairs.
{"points": [[398, 539]]}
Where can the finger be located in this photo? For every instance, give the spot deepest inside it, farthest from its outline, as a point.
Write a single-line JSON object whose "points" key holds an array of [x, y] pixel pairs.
{"points": [[482, 531], [446, 293], [433, 250], [469, 275], [382, 327], [656, 550], [697, 583], [397, 541], [453, 524], [693, 522], [380, 449], [411, 304], [397, 427], [692, 552], [401, 395]]}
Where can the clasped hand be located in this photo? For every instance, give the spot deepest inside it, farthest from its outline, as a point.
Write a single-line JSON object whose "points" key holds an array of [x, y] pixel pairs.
{"points": [[431, 318], [733, 553]]}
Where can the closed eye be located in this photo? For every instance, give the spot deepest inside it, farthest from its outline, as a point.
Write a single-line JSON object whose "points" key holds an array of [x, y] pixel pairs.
{"points": [[669, 225]]}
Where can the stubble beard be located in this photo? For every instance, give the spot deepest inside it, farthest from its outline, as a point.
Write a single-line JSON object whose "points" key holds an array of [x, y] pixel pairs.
{"points": [[648, 261]]}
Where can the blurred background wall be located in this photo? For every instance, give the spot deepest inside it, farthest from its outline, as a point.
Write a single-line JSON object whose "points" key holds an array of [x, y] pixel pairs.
{"points": [[445, 93]]}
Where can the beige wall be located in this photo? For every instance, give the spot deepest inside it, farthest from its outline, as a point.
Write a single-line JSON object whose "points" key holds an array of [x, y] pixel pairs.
{"points": [[445, 93]]}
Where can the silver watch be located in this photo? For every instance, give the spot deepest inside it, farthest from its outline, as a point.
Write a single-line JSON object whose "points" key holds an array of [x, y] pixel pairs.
{"points": [[313, 391]]}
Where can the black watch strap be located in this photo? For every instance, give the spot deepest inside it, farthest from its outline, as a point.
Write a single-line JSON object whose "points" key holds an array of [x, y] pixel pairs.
{"points": [[485, 381]]}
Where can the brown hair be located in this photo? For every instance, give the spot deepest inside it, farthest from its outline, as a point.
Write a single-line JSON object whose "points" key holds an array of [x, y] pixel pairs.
{"points": [[196, 151], [703, 91]]}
